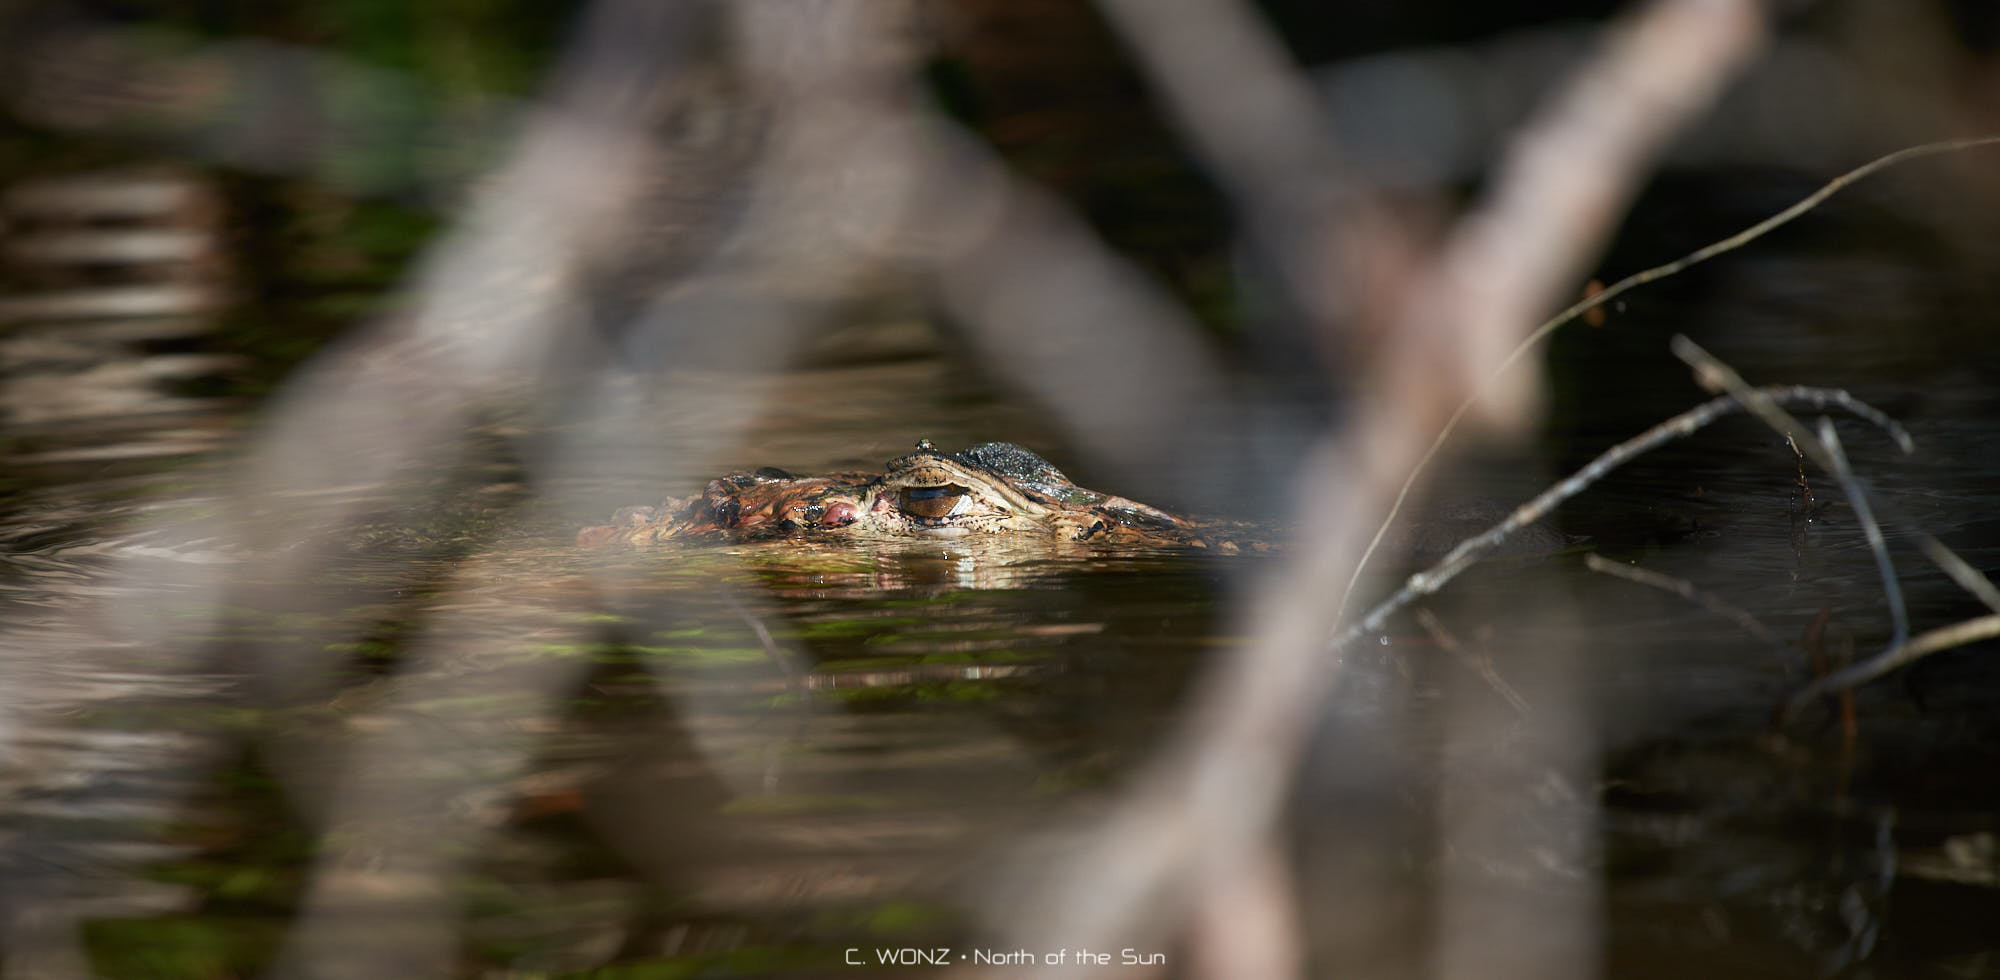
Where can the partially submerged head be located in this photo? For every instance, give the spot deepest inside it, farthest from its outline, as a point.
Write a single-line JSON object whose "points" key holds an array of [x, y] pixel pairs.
{"points": [[995, 488]]}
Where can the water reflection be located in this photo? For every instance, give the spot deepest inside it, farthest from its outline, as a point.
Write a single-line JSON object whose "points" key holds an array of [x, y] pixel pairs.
{"points": [[773, 745], [768, 745], [765, 733], [373, 711]]}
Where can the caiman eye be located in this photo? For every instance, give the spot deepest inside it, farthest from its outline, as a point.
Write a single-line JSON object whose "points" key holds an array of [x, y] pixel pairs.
{"points": [[932, 501]]}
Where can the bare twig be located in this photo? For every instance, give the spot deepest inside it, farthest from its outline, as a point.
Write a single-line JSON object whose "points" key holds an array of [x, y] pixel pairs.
{"points": [[1712, 374], [1596, 300], [1479, 546], [1689, 591], [1965, 575], [1480, 663], [1850, 729], [1919, 646], [1761, 228], [1858, 500], [794, 674], [1805, 485]]}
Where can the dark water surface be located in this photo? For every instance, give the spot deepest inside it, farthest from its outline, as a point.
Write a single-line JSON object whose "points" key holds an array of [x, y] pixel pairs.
{"points": [[748, 759], [391, 722]]}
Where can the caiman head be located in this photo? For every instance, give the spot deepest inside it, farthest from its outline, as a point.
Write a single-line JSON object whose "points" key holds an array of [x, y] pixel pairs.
{"points": [[939, 495], [996, 488], [1001, 488]]}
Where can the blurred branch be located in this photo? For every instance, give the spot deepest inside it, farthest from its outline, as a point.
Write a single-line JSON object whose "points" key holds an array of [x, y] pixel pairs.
{"points": [[1265, 137], [1051, 307], [1689, 591], [1918, 647], [1206, 807], [495, 312], [1567, 178], [258, 105], [1969, 578], [1433, 116], [1857, 499], [1478, 661]]}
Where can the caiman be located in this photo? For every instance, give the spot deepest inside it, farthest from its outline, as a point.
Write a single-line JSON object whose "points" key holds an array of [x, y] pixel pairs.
{"points": [[995, 488]]}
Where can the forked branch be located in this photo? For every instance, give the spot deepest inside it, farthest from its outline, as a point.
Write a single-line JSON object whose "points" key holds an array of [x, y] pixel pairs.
{"points": [[1472, 549]]}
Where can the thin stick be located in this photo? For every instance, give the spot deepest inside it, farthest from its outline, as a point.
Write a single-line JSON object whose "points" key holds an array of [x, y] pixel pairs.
{"points": [[1919, 646], [1712, 374], [1965, 575], [1480, 663], [1858, 500], [1479, 546], [795, 675], [1761, 228], [1689, 591], [1805, 485], [1850, 730], [1633, 281]]}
